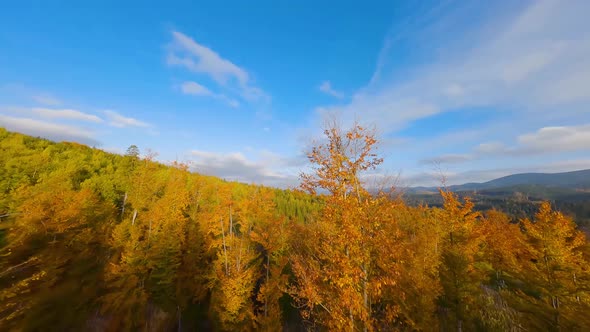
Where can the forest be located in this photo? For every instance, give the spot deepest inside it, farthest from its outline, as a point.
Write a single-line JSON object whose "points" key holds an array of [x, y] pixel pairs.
{"points": [[95, 241]]}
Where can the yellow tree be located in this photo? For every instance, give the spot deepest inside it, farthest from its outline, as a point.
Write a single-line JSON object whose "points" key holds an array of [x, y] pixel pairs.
{"points": [[559, 272], [233, 274], [55, 238], [505, 246], [150, 242], [506, 257], [461, 277], [409, 255], [333, 256], [270, 233]]}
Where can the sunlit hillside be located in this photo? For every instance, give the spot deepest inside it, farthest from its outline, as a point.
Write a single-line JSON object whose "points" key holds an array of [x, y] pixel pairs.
{"points": [[105, 242]]}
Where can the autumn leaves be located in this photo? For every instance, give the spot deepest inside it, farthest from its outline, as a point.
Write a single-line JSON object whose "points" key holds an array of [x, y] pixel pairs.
{"points": [[368, 262], [98, 241]]}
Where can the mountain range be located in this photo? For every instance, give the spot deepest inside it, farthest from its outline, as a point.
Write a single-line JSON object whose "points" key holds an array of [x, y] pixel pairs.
{"points": [[566, 181], [519, 194]]}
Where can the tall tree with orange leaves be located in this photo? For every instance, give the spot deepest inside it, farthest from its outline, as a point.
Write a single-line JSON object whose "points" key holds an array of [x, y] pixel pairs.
{"points": [[337, 281]]}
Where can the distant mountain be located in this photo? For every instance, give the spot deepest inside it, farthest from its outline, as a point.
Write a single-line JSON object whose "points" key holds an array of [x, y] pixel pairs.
{"points": [[519, 194], [575, 179], [569, 180]]}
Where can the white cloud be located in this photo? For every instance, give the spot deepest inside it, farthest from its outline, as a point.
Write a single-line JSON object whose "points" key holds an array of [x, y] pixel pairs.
{"points": [[269, 168], [186, 52], [389, 112], [207, 61], [115, 150], [546, 140], [326, 87], [233, 103], [454, 90], [446, 159], [67, 114], [490, 148], [117, 120], [23, 92], [193, 88], [535, 62], [550, 139], [46, 99], [52, 131], [233, 166], [196, 89]]}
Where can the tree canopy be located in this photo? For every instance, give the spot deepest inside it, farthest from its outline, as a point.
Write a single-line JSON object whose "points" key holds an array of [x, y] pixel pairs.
{"points": [[91, 240]]}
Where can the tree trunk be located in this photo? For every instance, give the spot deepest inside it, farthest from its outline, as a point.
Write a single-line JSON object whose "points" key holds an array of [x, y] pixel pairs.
{"points": [[267, 268], [231, 224], [224, 247], [123, 207]]}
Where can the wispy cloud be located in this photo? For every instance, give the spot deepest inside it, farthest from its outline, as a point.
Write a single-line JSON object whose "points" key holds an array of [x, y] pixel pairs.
{"points": [[52, 131], [234, 166], [193, 88], [196, 89], [117, 120], [46, 99], [268, 168], [185, 52], [536, 62], [326, 87], [67, 114], [546, 140], [204, 60], [524, 69], [446, 159], [543, 141]]}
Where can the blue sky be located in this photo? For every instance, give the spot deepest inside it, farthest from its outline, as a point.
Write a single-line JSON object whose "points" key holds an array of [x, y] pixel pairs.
{"points": [[241, 89]]}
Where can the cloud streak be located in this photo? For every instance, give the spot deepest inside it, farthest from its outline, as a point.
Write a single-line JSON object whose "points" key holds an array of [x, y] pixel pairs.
{"points": [[66, 114], [546, 140], [326, 87], [52, 131], [46, 99], [185, 52], [446, 159], [196, 89], [269, 168], [120, 121], [533, 63]]}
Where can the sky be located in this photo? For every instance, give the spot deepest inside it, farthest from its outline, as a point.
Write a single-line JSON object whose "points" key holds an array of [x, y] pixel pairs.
{"points": [[470, 90]]}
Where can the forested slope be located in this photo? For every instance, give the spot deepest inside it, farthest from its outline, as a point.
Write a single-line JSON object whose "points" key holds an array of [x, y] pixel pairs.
{"points": [[101, 242]]}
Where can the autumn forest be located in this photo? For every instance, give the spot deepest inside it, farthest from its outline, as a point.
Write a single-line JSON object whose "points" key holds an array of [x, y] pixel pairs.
{"points": [[94, 241]]}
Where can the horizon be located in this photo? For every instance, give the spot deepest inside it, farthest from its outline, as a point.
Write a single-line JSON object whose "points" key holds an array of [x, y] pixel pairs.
{"points": [[475, 91]]}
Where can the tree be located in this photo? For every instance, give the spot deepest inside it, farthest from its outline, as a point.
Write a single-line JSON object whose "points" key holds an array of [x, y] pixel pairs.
{"points": [[132, 151], [334, 256], [560, 271], [461, 276], [270, 233], [53, 254]]}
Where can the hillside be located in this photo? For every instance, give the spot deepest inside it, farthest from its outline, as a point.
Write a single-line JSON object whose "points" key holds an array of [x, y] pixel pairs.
{"points": [[94, 241]]}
